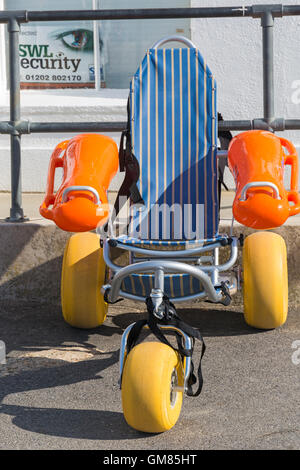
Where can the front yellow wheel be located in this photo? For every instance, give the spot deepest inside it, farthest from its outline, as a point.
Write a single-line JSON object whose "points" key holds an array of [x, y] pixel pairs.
{"points": [[83, 274], [265, 280], [152, 374]]}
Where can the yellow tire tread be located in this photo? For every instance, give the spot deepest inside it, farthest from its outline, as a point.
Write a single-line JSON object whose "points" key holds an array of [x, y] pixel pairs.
{"points": [[146, 386], [83, 273], [265, 280]]}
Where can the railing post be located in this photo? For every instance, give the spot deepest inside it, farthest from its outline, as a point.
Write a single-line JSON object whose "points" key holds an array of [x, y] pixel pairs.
{"points": [[97, 72], [267, 23], [267, 13], [16, 211]]}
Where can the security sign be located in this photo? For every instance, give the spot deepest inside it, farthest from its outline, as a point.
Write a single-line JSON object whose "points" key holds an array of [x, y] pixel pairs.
{"points": [[60, 57]]}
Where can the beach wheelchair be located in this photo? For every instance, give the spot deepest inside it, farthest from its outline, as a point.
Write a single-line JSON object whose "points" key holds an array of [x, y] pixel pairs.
{"points": [[170, 156]]}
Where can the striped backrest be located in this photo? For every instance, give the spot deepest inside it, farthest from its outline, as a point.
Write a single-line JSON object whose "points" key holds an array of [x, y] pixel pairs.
{"points": [[174, 138]]}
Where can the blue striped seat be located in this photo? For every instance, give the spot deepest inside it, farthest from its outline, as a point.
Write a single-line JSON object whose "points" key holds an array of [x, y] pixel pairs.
{"points": [[170, 244], [173, 124]]}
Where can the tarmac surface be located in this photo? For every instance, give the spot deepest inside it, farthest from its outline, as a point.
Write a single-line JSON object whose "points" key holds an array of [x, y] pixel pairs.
{"points": [[59, 388]]}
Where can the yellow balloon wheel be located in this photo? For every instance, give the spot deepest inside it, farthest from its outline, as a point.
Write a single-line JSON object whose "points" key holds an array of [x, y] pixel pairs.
{"points": [[150, 397], [265, 280], [83, 274]]}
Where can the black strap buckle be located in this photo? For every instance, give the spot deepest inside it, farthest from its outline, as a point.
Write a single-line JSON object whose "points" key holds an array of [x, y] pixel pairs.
{"points": [[171, 318], [226, 294]]}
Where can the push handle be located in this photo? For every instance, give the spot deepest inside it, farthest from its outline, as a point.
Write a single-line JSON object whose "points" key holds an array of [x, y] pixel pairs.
{"points": [[81, 188], [174, 38], [56, 161], [292, 159], [259, 184]]}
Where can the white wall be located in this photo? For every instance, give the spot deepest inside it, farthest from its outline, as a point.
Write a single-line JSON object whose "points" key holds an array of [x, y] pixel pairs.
{"points": [[232, 48], [56, 106], [80, 105]]}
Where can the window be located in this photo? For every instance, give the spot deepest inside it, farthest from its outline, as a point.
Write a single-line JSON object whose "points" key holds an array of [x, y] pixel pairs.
{"points": [[61, 54]]}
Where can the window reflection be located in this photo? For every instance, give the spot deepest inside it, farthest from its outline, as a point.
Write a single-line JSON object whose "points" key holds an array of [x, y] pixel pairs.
{"points": [[69, 61], [78, 39]]}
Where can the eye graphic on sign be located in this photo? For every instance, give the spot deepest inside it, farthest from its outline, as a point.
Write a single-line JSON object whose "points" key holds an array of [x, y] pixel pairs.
{"points": [[77, 39]]}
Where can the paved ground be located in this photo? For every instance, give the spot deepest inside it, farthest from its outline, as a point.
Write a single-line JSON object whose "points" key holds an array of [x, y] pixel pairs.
{"points": [[59, 389]]}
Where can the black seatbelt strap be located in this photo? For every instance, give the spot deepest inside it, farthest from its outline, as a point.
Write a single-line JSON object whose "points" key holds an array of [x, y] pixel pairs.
{"points": [[129, 164], [128, 188], [170, 318]]}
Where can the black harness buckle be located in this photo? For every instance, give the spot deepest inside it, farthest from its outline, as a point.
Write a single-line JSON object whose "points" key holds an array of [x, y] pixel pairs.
{"points": [[170, 317]]}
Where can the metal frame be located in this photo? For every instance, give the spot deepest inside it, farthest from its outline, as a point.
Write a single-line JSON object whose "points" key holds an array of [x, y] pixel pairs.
{"points": [[188, 344], [257, 184], [175, 38], [16, 127], [81, 188], [208, 275]]}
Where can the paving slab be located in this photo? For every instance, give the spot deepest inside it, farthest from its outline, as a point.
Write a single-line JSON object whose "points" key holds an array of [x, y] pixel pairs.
{"points": [[31, 252], [59, 389]]}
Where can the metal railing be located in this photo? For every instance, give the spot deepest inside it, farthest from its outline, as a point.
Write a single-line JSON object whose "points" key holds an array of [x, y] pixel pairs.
{"points": [[15, 127]]}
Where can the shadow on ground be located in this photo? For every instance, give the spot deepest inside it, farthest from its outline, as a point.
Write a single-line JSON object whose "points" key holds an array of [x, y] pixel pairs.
{"points": [[74, 424], [34, 327], [210, 321]]}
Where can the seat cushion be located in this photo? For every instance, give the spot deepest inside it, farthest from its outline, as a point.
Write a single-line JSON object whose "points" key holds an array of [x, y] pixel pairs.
{"points": [[173, 125], [176, 285]]}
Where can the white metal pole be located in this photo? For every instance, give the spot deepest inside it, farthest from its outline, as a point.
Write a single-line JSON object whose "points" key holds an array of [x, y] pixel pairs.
{"points": [[96, 50], [3, 78]]}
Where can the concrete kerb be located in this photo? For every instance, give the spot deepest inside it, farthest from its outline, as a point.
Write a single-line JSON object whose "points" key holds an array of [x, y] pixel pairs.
{"points": [[31, 256]]}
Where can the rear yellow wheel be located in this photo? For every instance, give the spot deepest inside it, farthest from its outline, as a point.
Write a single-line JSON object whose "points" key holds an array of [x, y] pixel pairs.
{"points": [[151, 402], [265, 280], [83, 274]]}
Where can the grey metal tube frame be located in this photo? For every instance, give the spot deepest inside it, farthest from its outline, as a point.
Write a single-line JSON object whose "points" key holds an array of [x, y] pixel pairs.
{"points": [[257, 184], [175, 38], [167, 254], [159, 267], [113, 289], [81, 188], [16, 127], [187, 345]]}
